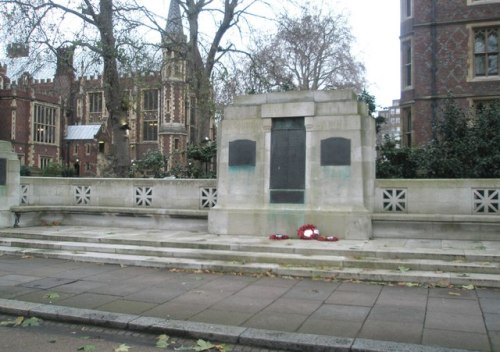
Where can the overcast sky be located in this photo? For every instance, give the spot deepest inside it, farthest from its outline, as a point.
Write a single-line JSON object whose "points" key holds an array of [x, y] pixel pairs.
{"points": [[375, 24]]}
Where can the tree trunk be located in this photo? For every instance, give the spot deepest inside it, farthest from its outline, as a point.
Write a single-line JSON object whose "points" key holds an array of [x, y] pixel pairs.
{"points": [[113, 92]]}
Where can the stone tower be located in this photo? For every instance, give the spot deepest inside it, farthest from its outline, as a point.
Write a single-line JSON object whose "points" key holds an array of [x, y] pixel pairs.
{"points": [[174, 126]]}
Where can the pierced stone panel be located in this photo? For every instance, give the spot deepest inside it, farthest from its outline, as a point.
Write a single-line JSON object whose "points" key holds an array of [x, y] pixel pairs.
{"points": [[82, 195], [143, 196], [394, 200], [486, 201], [208, 198], [25, 194]]}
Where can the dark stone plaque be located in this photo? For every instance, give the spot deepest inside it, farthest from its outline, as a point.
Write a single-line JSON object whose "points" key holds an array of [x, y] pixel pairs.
{"points": [[242, 152], [288, 160], [336, 151], [3, 172]]}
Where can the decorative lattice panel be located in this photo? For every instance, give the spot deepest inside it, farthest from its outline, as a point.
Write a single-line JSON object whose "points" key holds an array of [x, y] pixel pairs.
{"points": [[486, 201], [82, 195], [208, 197], [25, 194], [394, 200], [143, 196]]}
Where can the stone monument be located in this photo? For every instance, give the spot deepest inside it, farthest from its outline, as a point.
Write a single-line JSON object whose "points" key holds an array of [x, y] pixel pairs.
{"points": [[288, 159], [9, 183]]}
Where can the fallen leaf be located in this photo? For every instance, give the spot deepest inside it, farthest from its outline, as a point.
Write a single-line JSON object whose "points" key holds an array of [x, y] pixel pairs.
{"points": [[15, 322], [51, 296], [454, 294], [87, 348], [403, 269], [468, 287], [30, 322], [122, 348], [412, 284], [202, 345], [162, 341]]}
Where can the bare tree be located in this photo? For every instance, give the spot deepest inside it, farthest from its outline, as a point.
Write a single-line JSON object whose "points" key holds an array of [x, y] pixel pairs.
{"points": [[309, 52], [204, 55], [96, 27]]}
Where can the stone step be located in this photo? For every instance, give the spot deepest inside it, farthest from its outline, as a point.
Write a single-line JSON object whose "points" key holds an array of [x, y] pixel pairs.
{"points": [[261, 257], [478, 253], [410, 277]]}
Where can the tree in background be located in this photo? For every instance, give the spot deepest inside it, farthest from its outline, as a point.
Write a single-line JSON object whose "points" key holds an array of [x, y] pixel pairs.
{"points": [[311, 51]]}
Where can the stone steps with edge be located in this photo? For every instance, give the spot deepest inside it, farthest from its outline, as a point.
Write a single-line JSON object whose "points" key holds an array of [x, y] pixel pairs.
{"points": [[478, 255], [262, 257], [375, 275]]}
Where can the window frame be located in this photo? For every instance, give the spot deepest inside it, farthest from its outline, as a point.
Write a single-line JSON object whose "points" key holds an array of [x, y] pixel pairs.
{"points": [[406, 9], [472, 55], [45, 124], [407, 64], [93, 106]]}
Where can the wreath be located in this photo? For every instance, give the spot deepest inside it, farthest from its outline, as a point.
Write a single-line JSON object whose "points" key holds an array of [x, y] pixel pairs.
{"points": [[278, 236], [308, 232], [311, 232]]}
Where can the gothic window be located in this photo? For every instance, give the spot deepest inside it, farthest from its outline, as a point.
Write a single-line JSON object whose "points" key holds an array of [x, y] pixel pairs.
{"points": [[95, 103], [150, 100], [150, 110], [45, 124], [150, 130], [486, 52]]}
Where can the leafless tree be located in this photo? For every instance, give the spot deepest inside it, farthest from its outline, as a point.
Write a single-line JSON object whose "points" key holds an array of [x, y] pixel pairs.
{"points": [[309, 52], [100, 28]]}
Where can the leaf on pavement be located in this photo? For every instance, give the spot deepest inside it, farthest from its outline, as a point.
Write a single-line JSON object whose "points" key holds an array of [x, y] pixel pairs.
{"points": [[30, 322], [15, 322], [454, 294], [162, 341], [122, 348], [52, 296], [468, 287], [202, 345]]}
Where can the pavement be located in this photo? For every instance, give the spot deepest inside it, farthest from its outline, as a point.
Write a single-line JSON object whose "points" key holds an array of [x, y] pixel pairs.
{"points": [[287, 313]]}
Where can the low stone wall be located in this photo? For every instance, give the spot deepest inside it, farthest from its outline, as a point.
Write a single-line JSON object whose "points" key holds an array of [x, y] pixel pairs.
{"points": [[144, 203], [179, 194], [466, 209], [438, 196]]}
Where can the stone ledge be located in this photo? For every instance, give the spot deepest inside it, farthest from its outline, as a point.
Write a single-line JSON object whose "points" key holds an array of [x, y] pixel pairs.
{"points": [[90, 209], [452, 218]]}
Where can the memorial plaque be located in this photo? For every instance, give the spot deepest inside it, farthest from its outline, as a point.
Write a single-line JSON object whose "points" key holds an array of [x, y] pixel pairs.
{"points": [[336, 151], [3, 172], [242, 152], [288, 160]]}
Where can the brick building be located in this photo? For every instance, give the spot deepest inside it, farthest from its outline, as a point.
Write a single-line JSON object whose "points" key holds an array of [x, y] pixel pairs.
{"points": [[449, 48], [46, 120]]}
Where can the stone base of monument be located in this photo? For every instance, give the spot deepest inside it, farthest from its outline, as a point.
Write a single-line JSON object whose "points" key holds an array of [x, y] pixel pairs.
{"points": [[345, 224]]}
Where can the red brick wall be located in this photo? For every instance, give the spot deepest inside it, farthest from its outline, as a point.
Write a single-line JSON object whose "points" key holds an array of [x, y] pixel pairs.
{"points": [[441, 65]]}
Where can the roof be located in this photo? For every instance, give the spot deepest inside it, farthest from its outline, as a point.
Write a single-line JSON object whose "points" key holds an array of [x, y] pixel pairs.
{"points": [[82, 132]]}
